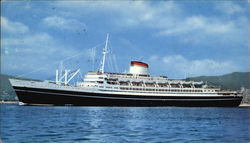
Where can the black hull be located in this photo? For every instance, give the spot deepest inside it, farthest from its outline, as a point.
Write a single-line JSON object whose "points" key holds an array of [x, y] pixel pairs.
{"points": [[33, 96]]}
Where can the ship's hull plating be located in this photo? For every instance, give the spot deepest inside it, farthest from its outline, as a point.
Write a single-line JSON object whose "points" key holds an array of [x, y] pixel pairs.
{"points": [[33, 96]]}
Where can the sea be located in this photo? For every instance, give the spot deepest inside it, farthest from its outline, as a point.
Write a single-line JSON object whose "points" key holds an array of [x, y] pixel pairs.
{"points": [[76, 124]]}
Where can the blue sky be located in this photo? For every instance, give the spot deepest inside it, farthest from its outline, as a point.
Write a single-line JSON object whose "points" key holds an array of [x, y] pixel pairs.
{"points": [[176, 38]]}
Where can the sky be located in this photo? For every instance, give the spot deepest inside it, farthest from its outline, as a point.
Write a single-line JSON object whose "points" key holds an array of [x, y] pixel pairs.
{"points": [[177, 38]]}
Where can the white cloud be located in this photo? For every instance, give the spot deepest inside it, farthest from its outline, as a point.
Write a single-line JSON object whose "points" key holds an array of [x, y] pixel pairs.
{"points": [[126, 13], [31, 40], [31, 51], [39, 54], [179, 66], [34, 50], [228, 7], [210, 30], [200, 25], [63, 23], [12, 27], [167, 18]]}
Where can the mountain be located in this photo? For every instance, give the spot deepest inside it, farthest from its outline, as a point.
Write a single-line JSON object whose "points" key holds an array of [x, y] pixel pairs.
{"points": [[232, 81], [7, 93]]}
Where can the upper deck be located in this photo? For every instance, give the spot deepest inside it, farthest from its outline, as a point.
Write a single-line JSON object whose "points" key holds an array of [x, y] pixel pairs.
{"points": [[127, 77]]}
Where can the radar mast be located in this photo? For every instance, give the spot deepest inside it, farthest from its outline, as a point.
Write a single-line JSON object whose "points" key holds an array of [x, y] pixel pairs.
{"points": [[105, 51]]}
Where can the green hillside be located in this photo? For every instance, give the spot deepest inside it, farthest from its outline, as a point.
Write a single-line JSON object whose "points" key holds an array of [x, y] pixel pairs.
{"points": [[6, 91], [232, 81]]}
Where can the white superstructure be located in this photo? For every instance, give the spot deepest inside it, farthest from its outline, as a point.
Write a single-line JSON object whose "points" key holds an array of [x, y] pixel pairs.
{"points": [[137, 83]]}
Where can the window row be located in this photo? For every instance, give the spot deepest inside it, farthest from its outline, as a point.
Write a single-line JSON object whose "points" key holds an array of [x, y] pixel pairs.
{"points": [[161, 90]]}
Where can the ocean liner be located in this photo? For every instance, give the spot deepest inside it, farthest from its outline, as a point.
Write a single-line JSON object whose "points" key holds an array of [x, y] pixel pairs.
{"points": [[134, 88]]}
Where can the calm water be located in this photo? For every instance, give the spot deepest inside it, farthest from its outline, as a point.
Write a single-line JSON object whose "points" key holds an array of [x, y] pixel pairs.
{"points": [[123, 124]]}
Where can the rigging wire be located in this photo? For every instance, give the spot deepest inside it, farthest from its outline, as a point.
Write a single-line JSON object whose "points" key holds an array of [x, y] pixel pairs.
{"points": [[113, 59], [67, 58], [110, 58]]}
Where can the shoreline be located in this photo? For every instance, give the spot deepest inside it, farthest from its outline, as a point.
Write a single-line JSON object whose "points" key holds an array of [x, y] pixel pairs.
{"points": [[8, 102]]}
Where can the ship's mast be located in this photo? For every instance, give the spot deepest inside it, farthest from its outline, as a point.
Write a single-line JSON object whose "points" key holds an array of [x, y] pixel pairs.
{"points": [[105, 50]]}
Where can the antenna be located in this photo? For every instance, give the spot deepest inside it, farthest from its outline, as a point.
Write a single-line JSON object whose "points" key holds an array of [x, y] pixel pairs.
{"points": [[105, 50]]}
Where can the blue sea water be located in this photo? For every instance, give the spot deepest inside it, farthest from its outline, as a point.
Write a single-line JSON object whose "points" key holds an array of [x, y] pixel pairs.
{"points": [[31, 124]]}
